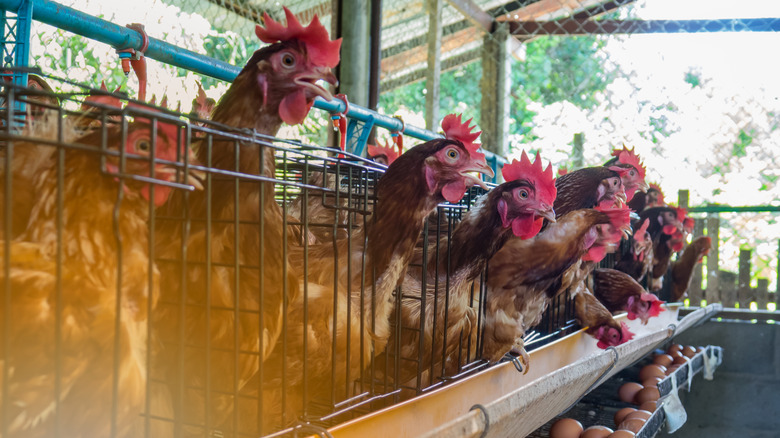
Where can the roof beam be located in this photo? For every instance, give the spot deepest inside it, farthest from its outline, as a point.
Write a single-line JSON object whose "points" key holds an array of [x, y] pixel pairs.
{"points": [[473, 13], [580, 26]]}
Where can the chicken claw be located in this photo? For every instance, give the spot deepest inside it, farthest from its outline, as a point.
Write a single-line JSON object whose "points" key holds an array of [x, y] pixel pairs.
{"points": [[520, 359]]}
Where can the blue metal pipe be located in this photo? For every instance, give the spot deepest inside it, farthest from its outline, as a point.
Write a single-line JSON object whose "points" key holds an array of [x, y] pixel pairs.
{"points": [[119, 37]]}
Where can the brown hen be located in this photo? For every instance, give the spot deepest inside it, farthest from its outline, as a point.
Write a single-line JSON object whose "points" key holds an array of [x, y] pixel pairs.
{"points": [[81, 288]]}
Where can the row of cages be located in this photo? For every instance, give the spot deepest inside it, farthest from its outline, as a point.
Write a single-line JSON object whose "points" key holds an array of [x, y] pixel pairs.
{"points": [[144, 296]]}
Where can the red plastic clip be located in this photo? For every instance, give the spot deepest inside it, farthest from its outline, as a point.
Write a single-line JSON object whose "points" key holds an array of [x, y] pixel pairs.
{"points": [[136, 60], [340, 123], [398, 136]]}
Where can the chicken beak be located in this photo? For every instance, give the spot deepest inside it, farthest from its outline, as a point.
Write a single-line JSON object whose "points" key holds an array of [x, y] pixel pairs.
{"points": [[546, 212], [481, 167], [309, 81], [195, 178]]}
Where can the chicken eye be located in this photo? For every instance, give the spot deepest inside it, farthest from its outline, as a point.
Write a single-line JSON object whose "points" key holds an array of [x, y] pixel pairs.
{"points": [[522, 194], [288, 60], [143, 146], [631, 173], [452, 154]]}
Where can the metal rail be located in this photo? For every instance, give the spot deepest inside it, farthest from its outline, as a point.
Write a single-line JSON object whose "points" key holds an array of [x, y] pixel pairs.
{"points": [[120, 37]]}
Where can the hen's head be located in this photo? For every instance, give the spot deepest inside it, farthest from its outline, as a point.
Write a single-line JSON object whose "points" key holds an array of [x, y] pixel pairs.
{"points": [[604, 238], [140, 152], [631, 170], [612, 335], [655, 196], [611, 191], [527, 196], [644, 307], [286, 72], [382, 154], [445, 168]]}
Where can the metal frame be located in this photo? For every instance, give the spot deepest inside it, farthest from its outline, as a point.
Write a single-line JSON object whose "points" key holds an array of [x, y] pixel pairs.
{"points": [[120, 38]]}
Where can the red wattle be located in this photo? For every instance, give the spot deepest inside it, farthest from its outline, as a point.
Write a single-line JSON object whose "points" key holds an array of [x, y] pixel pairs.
{"points": [[454, 191], [293, 109]]}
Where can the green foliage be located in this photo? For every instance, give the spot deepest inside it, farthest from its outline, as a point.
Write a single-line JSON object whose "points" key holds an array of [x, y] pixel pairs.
{"points": [[743, 141], [556, 68], [693, 78], [227, 47], [66, 52]]}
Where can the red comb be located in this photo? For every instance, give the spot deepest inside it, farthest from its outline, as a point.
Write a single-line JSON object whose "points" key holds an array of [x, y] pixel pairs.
{"points": [[388, 151], [626, 334], [655, 186], [102, 99], [655, 303], [543, 180], [170, 130], [455, 129], [562, 171], [322, 51], [618, 217], [640, 233], [627, 156]]}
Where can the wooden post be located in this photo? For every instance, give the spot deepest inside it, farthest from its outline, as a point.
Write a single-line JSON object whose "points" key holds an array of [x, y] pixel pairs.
{"points": [[695, 291], [495, 89], [777, 285], [578, 152], [713, 230], [682, 198], [762, 287], [433, 73], [728, 288], [743, 286]]}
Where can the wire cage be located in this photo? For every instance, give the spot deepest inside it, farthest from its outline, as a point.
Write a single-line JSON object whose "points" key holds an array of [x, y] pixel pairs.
{"points": [[209, 357]]}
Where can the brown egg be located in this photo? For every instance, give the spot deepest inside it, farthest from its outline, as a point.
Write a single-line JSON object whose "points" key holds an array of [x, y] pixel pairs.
{"points": [[699, 349], [688, 351], [621, 415], [680, 360], [621, 434], [649, 406], [663, 359], [674, 347], [652, 370], [674, 354], [628, 391], [634, 424], [596, 432], [647, 394], [566, 428], [672, 369], [644, 415], [652, 381]]}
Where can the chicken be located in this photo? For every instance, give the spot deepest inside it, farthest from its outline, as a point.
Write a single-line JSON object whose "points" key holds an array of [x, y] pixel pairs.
{"points": [[631, 170], [525, 275], [202, 105], [598, 321], [222, 252], [652, 197], [82, 286], [382, 154], [327, 363], [663, 226], [682, 268], [588, 188], [638, 261], [516, 207], [619, 292]]}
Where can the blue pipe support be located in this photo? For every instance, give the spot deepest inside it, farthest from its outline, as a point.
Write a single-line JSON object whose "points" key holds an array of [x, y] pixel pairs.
{"points": [[120, 38]]}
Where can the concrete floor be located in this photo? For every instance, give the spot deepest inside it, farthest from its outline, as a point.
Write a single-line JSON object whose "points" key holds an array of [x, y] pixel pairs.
{"points": [[743, 401]]}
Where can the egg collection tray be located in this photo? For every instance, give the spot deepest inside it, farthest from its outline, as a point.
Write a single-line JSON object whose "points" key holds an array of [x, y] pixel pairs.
{"points": [[600, 405]]}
